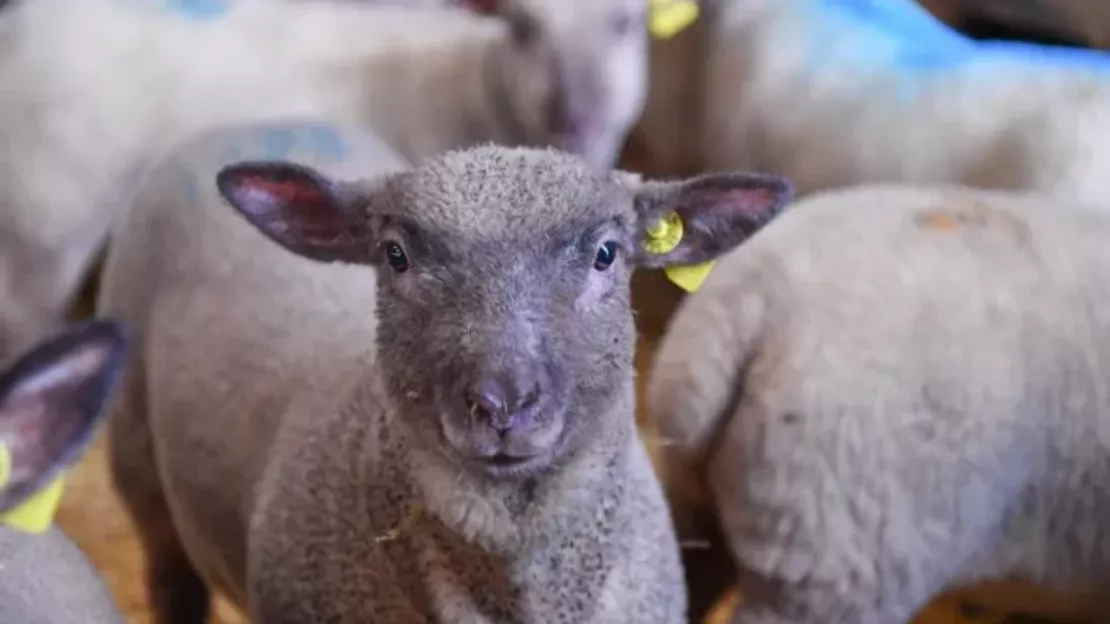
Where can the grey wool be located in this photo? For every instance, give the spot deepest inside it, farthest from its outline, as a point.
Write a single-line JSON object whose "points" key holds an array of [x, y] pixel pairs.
{"points": [[52, 398], [375, 391], [894, 391]]}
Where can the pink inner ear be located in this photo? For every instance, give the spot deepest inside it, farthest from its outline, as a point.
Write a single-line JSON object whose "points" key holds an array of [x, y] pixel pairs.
{"points": [[479, 6], [749, 200], [287, 192]]}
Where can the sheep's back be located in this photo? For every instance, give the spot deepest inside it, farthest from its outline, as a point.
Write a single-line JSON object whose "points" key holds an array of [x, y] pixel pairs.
{"points": [[927, 387]]}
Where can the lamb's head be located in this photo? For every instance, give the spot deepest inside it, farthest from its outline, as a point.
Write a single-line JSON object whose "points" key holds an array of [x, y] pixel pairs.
{"points": [[51, 399], [505, 334], [570, 73]]}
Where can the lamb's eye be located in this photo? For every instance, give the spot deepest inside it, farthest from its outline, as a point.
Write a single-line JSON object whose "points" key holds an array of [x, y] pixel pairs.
{"points": [[606, 255], [396, 257]]}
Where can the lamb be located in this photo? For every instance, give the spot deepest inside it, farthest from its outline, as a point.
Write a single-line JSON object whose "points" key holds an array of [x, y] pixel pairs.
{"points": [[51, 400], [96, 85], [835, 92], [894, 390], [475, 457]]}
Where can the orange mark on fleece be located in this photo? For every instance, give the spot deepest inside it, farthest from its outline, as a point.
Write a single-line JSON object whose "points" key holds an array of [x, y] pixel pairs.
{"points": [[950, 219], [976, 216], [938, 221]]}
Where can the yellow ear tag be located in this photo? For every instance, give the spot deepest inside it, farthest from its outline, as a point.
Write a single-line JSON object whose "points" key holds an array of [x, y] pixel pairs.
{"points": [[669, 17], [5, 465], [664, 236], [36, 514]]}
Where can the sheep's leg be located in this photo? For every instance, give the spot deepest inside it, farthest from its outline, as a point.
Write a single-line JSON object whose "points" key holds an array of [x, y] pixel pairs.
{"points": [[708, 565], [176, 590]]}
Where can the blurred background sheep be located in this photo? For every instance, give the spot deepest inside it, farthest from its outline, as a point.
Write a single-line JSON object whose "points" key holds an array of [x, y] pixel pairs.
{"points": [[664, 142]]}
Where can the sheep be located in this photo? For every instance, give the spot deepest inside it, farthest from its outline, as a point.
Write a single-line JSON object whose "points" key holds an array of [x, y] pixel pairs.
{"points": [[891, 391], [96, 85], [420, 413], [835, 92], [51, 400]]}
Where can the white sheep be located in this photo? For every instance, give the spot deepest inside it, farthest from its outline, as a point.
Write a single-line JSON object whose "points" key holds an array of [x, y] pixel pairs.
{"points": [[437, 427], [93, 85], [52, 397], [892, 391], [841, 92]]}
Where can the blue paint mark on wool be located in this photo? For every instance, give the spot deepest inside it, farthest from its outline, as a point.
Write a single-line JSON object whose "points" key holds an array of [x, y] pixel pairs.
{"points": [[1046, 55], [315, 140], [327, 142], [189, 188], [902, 35], [278, 143], [199, 9], [918, 40], [287, 141]]}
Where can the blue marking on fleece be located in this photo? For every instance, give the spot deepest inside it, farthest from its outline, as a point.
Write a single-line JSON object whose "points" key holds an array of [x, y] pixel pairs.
{"points": [[318, 141], [199, 9], [327, 142], [278, 141], [189, 188], [902, 34]]}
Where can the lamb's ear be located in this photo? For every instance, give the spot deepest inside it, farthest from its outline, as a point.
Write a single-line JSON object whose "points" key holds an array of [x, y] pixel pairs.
{"points": [[51, 400], [685, 222], [482, 7], [299, 209]]}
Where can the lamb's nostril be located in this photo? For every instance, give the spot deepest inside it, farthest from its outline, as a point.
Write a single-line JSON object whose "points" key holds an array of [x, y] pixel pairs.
{"points": [[475, 409], [485, 399], [502, 402]]}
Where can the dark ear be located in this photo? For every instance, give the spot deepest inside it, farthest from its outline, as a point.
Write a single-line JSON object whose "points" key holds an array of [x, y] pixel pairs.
{"points": [[718, 212], [482, 7], [299, 209], [51, 400]]}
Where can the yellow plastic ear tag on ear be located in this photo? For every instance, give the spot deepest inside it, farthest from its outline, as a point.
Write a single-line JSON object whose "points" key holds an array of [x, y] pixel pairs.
{"points": [[5, 465], [663, 237], [689, 278], [36, 514], [669, 17]]}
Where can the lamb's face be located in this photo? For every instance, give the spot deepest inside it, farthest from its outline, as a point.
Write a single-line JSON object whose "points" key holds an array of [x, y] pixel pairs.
{"points": [[505, 336], [573, 73], [504, 320]]}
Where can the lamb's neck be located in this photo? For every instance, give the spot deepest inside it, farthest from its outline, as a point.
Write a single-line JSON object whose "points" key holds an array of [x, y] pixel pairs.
{"points": [[512, 519]]}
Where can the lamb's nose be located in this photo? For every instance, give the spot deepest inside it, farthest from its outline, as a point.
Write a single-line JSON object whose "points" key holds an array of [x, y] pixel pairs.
{"points": [[503, 401]]}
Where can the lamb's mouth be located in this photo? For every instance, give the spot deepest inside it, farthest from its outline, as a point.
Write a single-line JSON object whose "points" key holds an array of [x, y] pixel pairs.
{"points": [[503, 465]]}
